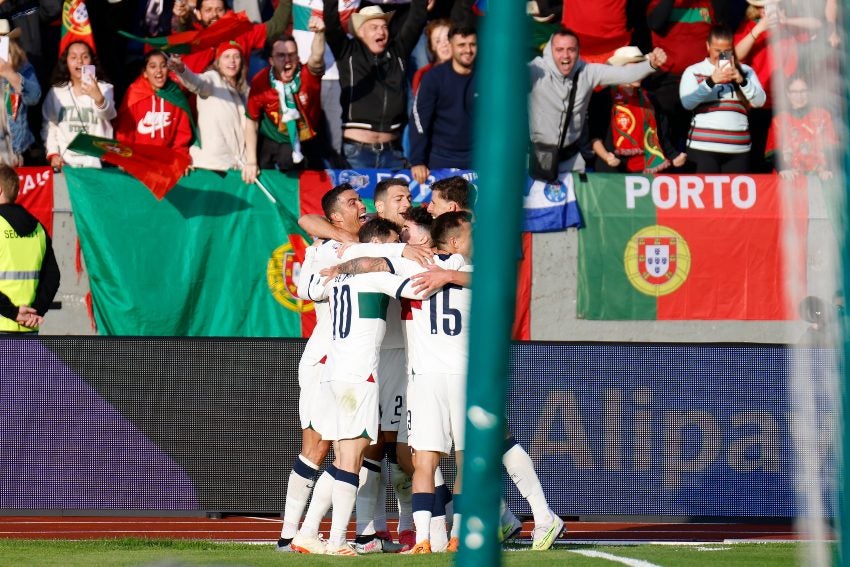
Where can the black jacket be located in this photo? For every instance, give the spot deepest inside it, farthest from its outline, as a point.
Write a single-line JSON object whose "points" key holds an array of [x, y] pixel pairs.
{"points": [[374, 87], [48, 280]]}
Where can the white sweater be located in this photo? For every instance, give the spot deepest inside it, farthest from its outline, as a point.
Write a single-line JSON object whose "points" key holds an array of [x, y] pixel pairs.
{"points": [[221, 121], [66, 115], [720, 122]]}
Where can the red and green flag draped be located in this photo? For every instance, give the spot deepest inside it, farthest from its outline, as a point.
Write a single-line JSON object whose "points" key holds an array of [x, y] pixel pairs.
{"points": [[213, 258], [75, 25], [687, 247], [229, 26], [157, 167]]}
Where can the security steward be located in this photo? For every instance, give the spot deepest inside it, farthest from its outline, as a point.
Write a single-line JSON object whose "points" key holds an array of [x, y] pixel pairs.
{"points": [[29, 274]]}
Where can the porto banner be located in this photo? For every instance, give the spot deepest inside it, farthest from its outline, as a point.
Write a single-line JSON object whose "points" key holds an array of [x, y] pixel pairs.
{"points": [[679, 247]]}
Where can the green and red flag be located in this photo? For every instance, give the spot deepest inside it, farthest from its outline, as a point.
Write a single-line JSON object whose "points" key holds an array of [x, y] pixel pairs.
{"points": [[229, 26], [681, 247], [157, 167], [75, 25], [215, 257]]}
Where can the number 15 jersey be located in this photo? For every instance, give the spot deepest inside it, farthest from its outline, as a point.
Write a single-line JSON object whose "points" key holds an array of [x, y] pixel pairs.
{"points": [[438, 327]]}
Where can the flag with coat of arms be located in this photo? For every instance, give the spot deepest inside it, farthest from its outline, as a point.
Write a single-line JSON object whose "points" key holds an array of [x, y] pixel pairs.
{"points": [[75, 25]]}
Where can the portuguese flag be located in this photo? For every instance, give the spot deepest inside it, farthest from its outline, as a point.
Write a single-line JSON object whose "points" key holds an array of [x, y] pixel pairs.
{"points": [[687, 247], [75, 25], [229, 26], [213, 258], [157, 167]]}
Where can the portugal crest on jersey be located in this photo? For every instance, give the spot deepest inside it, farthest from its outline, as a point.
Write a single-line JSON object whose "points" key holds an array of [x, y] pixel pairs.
{"points": [[657, 260]]}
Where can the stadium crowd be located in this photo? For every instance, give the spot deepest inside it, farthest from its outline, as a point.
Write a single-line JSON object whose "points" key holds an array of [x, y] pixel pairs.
{"points": [[615, 85], [688, 84]]}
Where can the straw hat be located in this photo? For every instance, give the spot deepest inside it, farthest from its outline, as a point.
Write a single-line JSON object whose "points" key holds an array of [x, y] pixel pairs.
{"points": [[626, 55], [6, 29], [366, 14]]}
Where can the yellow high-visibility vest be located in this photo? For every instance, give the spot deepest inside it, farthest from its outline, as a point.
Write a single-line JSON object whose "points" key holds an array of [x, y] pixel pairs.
{"points": [[20, 264]]}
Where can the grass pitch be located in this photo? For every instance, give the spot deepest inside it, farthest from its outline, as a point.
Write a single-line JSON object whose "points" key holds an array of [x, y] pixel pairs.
{"points": [[180, 553]]}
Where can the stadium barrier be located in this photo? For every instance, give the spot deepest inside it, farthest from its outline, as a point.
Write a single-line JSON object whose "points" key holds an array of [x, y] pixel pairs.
{"points": [[121, 425]]}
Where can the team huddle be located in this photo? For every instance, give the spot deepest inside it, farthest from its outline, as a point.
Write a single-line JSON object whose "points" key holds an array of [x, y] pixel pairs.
{"points": [[384, 374]]}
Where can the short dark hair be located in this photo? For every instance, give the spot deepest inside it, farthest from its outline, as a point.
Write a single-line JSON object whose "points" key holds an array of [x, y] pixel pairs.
{"points": [[447, 225], [10, 183], [720, 31], [566, 32], [377, 228], [455, 189], [330, 200], [419, 216], [461, 30], [284, 37], [384, 185]]}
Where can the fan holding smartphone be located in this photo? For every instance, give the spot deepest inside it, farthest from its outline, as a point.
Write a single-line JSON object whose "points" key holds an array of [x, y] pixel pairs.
{"points": [[78, 101], [721, 91]]}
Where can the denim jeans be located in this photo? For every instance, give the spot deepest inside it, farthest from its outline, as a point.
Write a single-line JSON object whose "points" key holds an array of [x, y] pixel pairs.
{"points": [[373, 156]]}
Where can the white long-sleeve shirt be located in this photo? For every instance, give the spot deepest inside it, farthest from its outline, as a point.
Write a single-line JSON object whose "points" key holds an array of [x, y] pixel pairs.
{"points": [[720, 123], [66, 115], [221, 121]]}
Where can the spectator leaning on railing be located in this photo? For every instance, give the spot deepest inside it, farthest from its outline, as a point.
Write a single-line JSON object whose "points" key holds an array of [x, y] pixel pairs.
{"points": [[802, 138], [441, 121]]}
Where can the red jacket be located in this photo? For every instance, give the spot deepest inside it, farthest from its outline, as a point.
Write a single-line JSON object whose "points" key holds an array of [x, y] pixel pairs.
{"points": [[145, 118]]}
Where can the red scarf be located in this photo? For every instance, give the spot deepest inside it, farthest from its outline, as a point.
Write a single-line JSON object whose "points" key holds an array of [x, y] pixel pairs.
{"points": [[634, 131]]}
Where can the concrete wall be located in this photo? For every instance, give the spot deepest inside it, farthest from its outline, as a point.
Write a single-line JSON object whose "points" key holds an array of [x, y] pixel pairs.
{"points": [[72, 318], [553, 308]]}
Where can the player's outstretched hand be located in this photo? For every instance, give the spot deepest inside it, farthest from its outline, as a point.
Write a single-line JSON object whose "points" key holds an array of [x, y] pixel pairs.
{"points": [[422, 255], [425, 283]]}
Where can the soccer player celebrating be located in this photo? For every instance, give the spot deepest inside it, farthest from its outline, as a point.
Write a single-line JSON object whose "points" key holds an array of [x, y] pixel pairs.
{"points": [[344, 210], [358, 306], [392, 201]]}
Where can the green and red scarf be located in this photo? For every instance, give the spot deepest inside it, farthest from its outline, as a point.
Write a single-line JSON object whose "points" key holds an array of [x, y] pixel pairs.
{"points": [[634, 131]]}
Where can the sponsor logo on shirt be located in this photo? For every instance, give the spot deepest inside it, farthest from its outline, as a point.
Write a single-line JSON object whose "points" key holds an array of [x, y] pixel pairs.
{"points": [[153, 121]]}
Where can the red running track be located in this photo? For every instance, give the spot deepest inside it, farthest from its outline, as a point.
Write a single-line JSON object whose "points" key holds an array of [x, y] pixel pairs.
{"points": [[266, 529]]}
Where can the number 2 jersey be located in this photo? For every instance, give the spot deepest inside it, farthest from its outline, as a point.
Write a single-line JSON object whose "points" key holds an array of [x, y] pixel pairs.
{"points": [[437, 328]]}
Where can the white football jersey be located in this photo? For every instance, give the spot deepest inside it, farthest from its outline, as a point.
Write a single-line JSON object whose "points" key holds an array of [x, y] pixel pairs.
{"points": [[436, 328], [358, 312], [324, 255]]}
